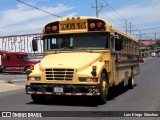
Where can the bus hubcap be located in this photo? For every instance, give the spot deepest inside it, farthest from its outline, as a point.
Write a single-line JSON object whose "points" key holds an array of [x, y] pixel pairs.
{"points": [[104, 87], [132, 81]]}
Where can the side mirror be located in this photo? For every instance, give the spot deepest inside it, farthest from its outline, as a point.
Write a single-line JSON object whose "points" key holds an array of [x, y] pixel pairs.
{"points": [[118, 43], [34, 45], [28, 71]]}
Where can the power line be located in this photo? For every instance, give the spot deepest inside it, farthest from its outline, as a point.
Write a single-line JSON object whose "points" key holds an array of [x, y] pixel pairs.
{"points": [[126, 26], [98, 10], [125, 20], [147, 29], [150, 28], [38, 8], [114, 10]]}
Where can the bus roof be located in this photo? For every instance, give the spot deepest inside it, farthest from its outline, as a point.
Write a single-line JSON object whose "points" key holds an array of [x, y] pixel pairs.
{"points": [[79, 17], [111, 27], [115, 29]]}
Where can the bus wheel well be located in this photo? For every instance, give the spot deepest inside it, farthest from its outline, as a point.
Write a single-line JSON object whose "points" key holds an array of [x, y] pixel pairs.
{"points": [[105, 71], [132, 68]]}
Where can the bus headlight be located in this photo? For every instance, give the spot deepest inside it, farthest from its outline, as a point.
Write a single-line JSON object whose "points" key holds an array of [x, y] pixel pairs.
{"points": [[88, 79], [34, 78]]}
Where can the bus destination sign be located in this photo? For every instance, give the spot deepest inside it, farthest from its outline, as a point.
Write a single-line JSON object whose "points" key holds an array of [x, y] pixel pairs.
{"points": [[73, 26]]}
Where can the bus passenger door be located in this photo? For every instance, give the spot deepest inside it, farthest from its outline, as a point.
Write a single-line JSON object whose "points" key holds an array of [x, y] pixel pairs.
{"points": [[113, 58]]}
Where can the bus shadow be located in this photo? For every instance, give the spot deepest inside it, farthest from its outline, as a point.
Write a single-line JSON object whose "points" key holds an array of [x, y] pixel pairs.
{"points": [[117, 91], [68, 101]]}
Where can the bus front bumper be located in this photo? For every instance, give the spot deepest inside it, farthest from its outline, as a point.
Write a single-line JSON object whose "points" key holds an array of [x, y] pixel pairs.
{"points": [[64, 90]]}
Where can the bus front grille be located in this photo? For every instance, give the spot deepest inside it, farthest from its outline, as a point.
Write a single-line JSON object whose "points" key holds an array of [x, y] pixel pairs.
{"points": [[59, 74]]}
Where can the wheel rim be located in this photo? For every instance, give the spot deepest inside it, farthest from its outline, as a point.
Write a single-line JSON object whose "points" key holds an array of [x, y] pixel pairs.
{"points": [[104, 87], [132, 81]]}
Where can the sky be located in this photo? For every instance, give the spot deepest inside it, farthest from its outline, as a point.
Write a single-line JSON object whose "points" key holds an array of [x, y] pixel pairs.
{"points": [[17, 18]]}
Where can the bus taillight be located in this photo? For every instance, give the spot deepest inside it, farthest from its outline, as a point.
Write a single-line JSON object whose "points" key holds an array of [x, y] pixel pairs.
{"points": [[99, 25], [92, 25], [54, 28], [47, 29], [96, 25]]}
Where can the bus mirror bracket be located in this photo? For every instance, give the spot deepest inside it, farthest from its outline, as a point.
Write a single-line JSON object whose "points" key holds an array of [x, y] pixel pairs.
{"points": [[28, 71]]}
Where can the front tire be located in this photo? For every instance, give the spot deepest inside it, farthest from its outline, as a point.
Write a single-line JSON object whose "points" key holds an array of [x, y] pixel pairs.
{"points": [[1, 69], [104, 88]]}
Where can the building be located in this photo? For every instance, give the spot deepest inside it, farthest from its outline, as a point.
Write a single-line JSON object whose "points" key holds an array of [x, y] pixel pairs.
{"points": [[145, 49]]}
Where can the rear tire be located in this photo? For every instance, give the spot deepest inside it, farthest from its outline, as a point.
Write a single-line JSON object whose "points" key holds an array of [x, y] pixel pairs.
{"points": [[131, 81], [104, 88], [38, 98]]}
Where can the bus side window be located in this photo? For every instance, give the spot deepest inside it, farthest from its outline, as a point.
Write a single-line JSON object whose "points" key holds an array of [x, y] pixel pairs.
{"points": [[112, 45], [118, 43]]}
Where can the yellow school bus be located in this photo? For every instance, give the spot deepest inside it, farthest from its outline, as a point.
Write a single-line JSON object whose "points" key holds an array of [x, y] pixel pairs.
{"points": [[83, 56]]}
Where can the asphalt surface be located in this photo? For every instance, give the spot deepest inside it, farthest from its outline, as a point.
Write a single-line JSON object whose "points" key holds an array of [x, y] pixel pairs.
{"points": [[144, 97], [16, 78]]}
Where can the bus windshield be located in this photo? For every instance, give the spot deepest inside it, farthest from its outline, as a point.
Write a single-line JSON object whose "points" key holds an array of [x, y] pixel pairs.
{"points": [[85, 41]]}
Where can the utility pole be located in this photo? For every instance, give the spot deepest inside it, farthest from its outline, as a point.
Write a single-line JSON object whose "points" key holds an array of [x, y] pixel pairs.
{"points": [[140, 34], [126, 25], [140, 50], [96, 8], [155, 36], [97, 11], [140, 37], [130, 26]]}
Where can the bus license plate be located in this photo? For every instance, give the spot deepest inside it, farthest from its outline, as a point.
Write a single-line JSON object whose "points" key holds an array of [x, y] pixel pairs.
{"points": [[58, 89]]}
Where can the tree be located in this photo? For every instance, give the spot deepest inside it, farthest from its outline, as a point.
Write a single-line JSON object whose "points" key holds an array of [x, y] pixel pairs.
{"points": [[158, 43], [153, 46]]}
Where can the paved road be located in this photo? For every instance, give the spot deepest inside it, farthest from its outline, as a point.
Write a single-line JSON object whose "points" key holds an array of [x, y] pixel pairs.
{"points": [[144, 97], [15, 78]]}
